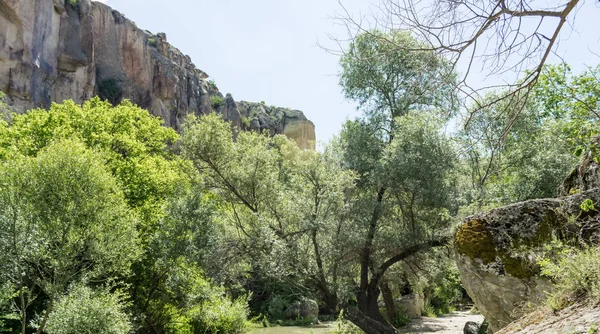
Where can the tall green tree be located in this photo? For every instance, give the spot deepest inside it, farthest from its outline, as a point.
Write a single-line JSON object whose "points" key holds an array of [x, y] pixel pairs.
{"points": [[388, 77], [62, 219], [403, 160]]}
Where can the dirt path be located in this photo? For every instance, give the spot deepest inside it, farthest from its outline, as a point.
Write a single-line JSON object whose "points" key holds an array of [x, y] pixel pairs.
{"points": [[452, 323]]}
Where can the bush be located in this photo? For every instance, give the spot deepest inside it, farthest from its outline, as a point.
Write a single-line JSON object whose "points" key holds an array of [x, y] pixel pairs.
{"points": [[84, 310], [221, 315], [216, 101], [576, 275]]}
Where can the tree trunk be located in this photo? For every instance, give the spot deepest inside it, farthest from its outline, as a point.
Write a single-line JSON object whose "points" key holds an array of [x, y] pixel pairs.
{"points": [[23, 312], [328, 297], [388, 299], [368, 324], [367, 315], [47, 313]]}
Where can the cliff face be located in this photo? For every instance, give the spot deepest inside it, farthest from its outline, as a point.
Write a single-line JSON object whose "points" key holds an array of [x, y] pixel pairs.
{"points": [[51, 50]]}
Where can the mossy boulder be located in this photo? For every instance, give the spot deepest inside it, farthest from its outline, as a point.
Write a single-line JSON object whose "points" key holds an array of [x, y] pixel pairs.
{"points": [[497, 251]]}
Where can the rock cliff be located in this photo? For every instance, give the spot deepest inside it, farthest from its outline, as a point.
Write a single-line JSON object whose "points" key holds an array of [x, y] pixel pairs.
{"points": [[52, 50], [496, 251]]}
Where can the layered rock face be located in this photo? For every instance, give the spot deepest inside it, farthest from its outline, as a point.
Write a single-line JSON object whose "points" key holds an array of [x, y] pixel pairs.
{"points": [[52, 50], [495, 251]]}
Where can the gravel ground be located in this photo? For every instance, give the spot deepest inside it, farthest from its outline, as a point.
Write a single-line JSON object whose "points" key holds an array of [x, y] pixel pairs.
{"points": [[452, 323]]}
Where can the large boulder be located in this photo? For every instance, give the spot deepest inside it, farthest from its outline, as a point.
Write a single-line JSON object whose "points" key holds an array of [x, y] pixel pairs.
{"points": [[412, 305], [305, 309], [496, 251]]}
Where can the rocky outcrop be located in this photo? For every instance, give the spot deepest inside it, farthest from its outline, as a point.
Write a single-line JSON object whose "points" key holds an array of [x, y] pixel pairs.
{"points": [[292, 123], [496, 251], [586, 175], [52, 50]]}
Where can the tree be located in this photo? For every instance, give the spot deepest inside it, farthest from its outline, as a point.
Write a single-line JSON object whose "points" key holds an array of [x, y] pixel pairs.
{"points": [[59, 213], [547, 136], [283, 203], [401, 206], [138, 152], [388, 82], [503, 36], [389, 150], [134, 144]]}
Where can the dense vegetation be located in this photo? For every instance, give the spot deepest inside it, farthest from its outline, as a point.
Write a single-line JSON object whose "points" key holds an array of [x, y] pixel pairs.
{"points": [[112, 223]]}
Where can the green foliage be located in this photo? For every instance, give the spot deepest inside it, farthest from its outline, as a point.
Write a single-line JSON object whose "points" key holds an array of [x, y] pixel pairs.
{"points": [[221, 315], [429, 311], [576, 276], [246, 122], [132, 143], [205, 308], [534, 157], [387, 79], [587, 205], [216, 101], [483, 328], [572, 100], [152, 42], [84, 310], [58, 215], [110, 90], [212, 84], [445, 289]]}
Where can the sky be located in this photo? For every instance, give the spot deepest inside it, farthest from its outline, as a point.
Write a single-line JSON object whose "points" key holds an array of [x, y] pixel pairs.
{"points": [[268, 50]]}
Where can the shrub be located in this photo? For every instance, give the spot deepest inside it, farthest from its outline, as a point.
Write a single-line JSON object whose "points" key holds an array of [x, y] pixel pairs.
{"points": [[84, 310], [221, 315], [216, 101], [576, 275], [152, 41], [212, 84], [246, 122]]}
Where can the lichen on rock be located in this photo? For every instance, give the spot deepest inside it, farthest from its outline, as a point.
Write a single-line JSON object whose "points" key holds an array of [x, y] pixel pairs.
{"points": [[497, 251]]}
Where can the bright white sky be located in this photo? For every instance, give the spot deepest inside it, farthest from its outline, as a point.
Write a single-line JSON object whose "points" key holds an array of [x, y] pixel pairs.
{"points": [[266, 50]]}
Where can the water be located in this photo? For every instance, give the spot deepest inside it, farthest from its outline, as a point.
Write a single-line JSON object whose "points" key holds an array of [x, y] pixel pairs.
{"points": [[316, 329]]}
